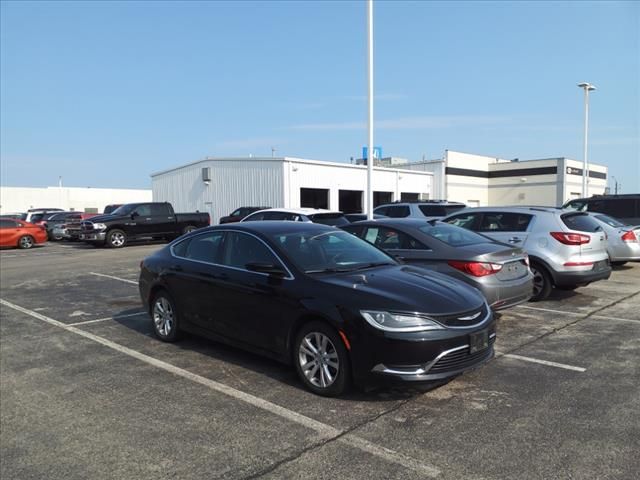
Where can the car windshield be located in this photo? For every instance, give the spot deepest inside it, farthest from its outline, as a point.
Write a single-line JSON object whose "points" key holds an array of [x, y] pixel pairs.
{"points": [[452, 235], [578, 205], [612, 222], [124, 209], [332, 219], [332, 251]]}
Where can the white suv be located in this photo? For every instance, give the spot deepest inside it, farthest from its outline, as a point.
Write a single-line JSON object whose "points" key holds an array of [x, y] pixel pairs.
{"points": [[419, 209], [566, 249]]}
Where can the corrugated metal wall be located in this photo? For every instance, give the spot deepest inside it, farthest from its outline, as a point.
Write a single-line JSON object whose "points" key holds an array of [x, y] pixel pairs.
{"points": [[234, 183]]}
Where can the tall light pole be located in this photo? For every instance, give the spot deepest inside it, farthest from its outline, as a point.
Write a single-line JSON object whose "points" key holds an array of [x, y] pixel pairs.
{"points": [[370, 157], [585, 166]]}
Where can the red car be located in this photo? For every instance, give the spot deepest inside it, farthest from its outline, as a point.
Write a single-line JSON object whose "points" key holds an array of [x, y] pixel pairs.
{"points": [[16, 233]]}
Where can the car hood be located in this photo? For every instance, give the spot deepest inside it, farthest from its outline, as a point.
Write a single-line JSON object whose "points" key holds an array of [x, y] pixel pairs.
{"points": [[409, 288], [104, 218]]}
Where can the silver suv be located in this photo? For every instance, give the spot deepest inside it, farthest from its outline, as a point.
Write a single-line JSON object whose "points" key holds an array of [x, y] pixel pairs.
{"points": [[419, 209], [566, 249]]}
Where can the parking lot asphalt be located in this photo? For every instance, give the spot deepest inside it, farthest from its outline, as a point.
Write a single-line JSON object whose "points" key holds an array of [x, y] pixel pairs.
{"points": [[86, 391]]}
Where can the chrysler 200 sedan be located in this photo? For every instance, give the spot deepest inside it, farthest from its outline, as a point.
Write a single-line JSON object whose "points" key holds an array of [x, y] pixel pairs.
{"points": [[336, 307]]}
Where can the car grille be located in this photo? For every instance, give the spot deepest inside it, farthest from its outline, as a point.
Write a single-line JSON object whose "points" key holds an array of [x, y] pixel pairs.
{"points": [[86, 226], [454, 320], [461, 359]]}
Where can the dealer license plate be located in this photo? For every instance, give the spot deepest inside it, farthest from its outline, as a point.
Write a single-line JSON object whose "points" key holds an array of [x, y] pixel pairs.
{"points": [[478, 341]]}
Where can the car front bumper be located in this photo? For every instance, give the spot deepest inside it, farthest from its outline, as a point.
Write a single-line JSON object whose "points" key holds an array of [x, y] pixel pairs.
{"points": [[383, 357], [93, 237]]}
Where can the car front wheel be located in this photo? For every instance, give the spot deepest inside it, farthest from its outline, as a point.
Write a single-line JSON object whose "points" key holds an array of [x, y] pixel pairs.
{"points": [[321, 359], [116, 238]]}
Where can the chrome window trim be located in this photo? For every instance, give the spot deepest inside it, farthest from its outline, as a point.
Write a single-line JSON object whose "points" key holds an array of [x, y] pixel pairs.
{"points": [[290, 275]]}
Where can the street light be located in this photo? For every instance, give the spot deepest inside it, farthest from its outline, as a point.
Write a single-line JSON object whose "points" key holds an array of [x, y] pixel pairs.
{"points": [[585, 174]]}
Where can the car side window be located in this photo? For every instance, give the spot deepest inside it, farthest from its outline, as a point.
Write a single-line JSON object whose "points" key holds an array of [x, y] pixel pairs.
{"points": [[389, 239], [504, 222], [203, 248], [255, 217], [237, 212], [160, 209], [8, 224], [143, 210], [466, 220], [380, 210], [398, 211], [241, 249]]}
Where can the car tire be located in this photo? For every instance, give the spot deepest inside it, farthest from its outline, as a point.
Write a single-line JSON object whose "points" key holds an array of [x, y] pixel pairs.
{"points": [[116, 238], [541, 282], [164, 317], [617, 264], [188, 229], [321, 359], [25, 242]]}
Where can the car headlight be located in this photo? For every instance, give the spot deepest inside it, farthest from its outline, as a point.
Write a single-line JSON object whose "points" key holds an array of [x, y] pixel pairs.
{"points": [[99, 226], [398, 322]]}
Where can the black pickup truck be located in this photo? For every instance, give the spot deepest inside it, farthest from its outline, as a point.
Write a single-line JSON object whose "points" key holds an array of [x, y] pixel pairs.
{"points": [[135, 221]]}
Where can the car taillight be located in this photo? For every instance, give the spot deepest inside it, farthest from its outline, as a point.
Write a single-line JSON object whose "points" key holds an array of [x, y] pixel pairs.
{"points": [[477, 269], [571, 238], [629, 237]]}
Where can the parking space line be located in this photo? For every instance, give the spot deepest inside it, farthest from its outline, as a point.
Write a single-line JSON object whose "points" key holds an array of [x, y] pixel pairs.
{"points": [[550, 310], [325, 432], [544, 362], [115, 317], [114, 278], [633, 320]]}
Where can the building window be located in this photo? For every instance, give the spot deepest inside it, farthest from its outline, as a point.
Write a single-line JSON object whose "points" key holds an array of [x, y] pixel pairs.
{"points": [[409, 197], [314, 198], [350, 201], [380, 198]]}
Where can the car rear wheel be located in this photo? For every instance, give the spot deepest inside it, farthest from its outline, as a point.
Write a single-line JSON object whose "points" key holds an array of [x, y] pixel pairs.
{"points": [[26, 242], [164, 317], [321, 359], [116, 238], [541, 282], [618, 264]]}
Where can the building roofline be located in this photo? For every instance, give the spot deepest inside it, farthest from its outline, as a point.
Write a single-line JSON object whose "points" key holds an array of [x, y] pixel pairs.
{"points": [[285, 159]]}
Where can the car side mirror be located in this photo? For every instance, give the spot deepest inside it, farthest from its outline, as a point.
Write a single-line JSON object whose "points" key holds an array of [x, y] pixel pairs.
{"points": [[268, 268]]}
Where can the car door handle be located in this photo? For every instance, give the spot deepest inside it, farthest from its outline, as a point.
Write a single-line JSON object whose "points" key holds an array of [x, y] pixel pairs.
{"points": [[514, 240]]}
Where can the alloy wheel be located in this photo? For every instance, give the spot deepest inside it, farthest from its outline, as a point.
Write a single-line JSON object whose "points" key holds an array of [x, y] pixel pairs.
{"points": [[26, 242], [163, 316], [538, 281], [117, 239], [318, 359]]}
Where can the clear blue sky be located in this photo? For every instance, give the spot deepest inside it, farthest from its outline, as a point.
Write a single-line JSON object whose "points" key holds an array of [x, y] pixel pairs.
{"points": [[104, 93]]}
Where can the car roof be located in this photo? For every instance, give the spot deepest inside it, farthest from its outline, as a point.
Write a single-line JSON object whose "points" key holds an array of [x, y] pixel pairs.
{"points": [[272, 227], [299, 211], [516, 209], [395, 222]]}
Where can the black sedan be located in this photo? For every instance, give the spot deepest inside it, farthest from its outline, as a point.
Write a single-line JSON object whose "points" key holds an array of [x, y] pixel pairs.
{"points": [[501, 272], [333, 305]]}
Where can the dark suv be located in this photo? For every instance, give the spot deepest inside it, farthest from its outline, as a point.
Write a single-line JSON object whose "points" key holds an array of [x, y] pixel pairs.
{"points": [[622, 207]]}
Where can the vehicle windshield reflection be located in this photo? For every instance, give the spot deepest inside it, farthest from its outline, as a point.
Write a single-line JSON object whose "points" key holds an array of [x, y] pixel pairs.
{"points": [[331, 252]]}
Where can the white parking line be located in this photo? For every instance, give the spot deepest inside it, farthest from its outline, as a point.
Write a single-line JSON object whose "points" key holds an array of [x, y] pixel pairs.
{"points": [[115, 317], [550, 310], [544, 362], [324, 431], [114, 278], [585, 315]]}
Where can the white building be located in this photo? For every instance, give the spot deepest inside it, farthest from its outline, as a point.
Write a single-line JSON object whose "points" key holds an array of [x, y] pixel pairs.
{"points": [[220, 185], [478, 180], [90, 200]]}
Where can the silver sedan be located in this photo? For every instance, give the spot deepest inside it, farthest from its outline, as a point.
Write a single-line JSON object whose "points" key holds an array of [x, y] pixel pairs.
{"points": [[623, 241]]}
